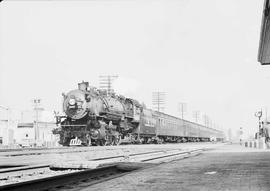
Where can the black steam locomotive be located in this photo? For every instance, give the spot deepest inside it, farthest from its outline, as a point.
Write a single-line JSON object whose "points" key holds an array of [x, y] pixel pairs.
{"points": [[92, 117]]}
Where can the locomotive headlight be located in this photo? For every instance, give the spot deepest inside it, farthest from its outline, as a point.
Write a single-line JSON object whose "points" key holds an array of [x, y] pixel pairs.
{"points": [[94, 134], [72, 102]]}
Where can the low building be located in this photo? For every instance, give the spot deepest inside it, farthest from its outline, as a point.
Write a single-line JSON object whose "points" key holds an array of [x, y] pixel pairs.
{"points": [[36, 134], [7, 132]]}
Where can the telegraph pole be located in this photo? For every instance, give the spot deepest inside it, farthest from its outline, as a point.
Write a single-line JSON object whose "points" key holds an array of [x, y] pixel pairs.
{"points": [[196, 115], [206, 120], [105, 83], [210, 123], [240, 135], [182, 108], [37, 108], [8, 122], [158, 100], [8, 115], [259, 115]]}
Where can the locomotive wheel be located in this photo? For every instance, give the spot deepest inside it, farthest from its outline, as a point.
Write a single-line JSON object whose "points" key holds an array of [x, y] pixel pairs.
{"points": [[108, 141], [88, 140], [101, 142], [117, 140]]}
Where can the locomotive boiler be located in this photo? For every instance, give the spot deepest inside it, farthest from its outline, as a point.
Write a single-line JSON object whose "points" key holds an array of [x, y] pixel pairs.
{"points": [[94, 117]]}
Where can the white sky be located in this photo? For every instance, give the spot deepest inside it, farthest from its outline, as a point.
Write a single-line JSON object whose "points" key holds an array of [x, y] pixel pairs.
{"points": [[203, 53]]}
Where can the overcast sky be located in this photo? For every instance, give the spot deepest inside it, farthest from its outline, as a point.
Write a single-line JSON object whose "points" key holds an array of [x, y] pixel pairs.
{"points": [[203, 53]]}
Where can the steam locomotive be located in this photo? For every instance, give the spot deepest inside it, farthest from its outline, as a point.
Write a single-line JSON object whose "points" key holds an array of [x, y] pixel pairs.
{"points": [[93, 117]]}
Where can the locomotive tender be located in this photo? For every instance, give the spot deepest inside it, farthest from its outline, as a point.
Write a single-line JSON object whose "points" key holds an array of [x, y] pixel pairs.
{"points": [[92, 117]]}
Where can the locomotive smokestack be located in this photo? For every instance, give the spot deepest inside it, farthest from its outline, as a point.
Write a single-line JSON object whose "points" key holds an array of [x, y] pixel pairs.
{"points": [[83, 85]]}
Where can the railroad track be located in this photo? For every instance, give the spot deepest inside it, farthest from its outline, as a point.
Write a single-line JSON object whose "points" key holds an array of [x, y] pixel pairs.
{"points": [[59, 150], [54, 151], [69, 180], [76, 177]]}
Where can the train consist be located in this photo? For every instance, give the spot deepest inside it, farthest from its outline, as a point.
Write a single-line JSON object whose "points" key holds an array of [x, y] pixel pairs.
{"points": [[92, 117]]}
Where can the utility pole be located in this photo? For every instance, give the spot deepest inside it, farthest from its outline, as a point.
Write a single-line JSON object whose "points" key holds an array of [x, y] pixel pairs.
{"points": [[196, 115], [105, 83], [259, 115], [8, 115], [240, 135], [37, 108], [210, 123], [182, 108], [206, 120], [158, 100]]}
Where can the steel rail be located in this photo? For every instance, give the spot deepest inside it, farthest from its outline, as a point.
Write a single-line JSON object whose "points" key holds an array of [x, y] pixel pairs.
{"points": [[7, 170], [171, 155], [64, 181], [132, 154]]}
